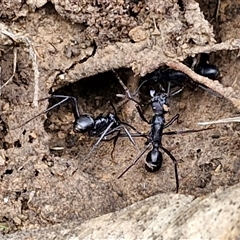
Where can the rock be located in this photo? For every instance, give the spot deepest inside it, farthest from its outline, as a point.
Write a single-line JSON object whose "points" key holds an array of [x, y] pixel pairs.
{"points": [[162, 216]]}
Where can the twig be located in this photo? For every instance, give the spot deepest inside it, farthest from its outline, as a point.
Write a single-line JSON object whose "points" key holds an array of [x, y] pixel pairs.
{"points": [[225, 120], [0, 80], [14, 69], [217, 9], [230, 44], [216, 86], [36, 73]]}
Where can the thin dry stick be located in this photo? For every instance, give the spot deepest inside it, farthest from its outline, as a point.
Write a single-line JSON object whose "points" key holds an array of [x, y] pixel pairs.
{"points": [[224, 120], [217, 9], [33, 55], [0, 80], [27, 42], [230, 44], [14, 69], [216, 86]]}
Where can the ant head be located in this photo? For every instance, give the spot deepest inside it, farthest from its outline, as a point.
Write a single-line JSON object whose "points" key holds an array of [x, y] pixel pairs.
{"points": [[83, 124], [163, 99], [159, 101]]}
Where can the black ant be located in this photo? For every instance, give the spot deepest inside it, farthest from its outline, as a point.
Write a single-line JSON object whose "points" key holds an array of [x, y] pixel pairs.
{"points": [[169, 78], [101, 126], [159, 103]]}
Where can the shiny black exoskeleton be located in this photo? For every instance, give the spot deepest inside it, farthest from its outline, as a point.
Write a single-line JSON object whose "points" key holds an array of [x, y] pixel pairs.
{"points": [[95, 127], [204, 68], [153, 163], [169, 78], [154, 157], [207, 70], [159, 103], [101, 126]]}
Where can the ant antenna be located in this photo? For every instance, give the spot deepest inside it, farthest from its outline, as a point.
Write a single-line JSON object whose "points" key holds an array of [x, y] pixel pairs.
{"points": [[76, 112]]}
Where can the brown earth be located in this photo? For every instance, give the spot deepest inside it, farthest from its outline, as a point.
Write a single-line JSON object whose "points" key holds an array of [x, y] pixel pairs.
{"points": [[58, 43]]}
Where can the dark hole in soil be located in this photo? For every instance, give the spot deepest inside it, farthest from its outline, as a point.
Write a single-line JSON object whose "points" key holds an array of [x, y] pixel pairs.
{"points": [[3, 128], [49, 8], [30, 139], [49, 162], [17, 144], [8, 171], [93, 96], [24, 205], [181, 5], [36, 172], [6, 145], [18, 194]]}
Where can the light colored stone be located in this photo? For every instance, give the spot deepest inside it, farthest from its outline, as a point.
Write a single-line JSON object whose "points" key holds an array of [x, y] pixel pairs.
{"points": [[163, 216]]}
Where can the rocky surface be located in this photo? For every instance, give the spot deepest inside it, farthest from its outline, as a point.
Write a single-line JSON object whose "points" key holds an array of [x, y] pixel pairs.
{"points": [[172, 216]]}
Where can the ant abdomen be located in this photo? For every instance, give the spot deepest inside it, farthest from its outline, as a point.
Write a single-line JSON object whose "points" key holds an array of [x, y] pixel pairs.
{"points": [[208, 70], [153, 160]]}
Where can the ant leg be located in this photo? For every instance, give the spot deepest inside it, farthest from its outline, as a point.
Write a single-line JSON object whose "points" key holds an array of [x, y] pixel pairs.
{"points": [[175, 118], [45, 111], [135, 135], [128, 134], [128, 98], [176, 92], [107, 132], [137, 90], [210, 91], [128, 94], [98, 141], [124, 123], [73, 102], [124, 128], [169, 88], [114, 109], [175, 166], [186, 131], [141, 114], [135, 161], [114, 143]]}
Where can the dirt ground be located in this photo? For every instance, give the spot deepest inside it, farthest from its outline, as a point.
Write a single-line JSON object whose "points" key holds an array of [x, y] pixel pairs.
{"points": [[39, 182]]}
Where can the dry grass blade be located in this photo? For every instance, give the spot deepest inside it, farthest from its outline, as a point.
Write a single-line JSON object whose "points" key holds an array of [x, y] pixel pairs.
{"points": [[32, 53], [225, 120]]}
